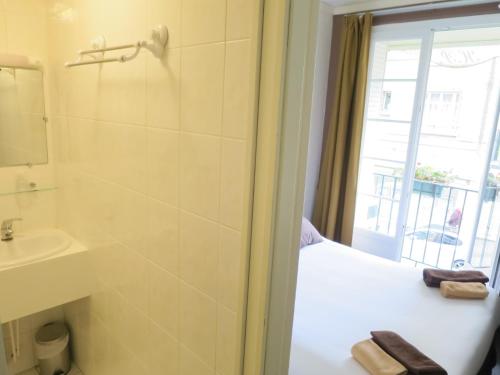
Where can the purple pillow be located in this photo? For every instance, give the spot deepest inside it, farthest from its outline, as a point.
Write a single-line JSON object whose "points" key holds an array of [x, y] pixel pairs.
{"points": [[309, 235]]}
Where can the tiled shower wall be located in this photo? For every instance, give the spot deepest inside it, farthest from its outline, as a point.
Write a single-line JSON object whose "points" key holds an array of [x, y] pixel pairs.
{"points": [[154, 173]]}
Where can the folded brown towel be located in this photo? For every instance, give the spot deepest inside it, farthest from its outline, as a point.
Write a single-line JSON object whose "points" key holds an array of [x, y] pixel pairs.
{"points": [[375, 360], [433, 277], [453, 289], [410, 357]]}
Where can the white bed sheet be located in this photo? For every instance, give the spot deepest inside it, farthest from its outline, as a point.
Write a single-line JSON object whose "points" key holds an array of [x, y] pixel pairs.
{"points": [[343, 294]]}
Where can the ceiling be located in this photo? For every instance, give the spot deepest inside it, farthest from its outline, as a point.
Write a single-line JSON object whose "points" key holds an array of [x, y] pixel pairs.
{"points": [[339, 3], [347, 6]]}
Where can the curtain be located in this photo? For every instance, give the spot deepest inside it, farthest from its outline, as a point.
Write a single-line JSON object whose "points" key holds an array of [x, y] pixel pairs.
{"points": [[335, 197]]}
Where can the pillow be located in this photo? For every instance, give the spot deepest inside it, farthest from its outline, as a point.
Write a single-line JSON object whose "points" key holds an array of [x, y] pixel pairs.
{"points": [[309, 235]]}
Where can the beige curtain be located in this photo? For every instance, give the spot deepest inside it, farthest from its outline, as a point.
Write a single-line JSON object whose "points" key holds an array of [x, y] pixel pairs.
{"points": [[336, 192]]}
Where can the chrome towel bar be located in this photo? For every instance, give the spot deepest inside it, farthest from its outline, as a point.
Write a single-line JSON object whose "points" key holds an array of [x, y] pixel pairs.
{"points": [[157, 45]]}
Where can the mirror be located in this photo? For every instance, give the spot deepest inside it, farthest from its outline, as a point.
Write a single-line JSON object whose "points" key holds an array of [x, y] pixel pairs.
{"points": [[23, 132]]}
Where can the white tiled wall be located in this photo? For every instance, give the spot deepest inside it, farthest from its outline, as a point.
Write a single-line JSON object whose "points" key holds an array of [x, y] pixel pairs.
{"points": [[154, 168]]}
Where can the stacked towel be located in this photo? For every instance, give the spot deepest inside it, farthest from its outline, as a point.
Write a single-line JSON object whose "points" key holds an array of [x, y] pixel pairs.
{"points": [[387, 353], [453, 289], [410, 357], [375, 360], [433, 278]]}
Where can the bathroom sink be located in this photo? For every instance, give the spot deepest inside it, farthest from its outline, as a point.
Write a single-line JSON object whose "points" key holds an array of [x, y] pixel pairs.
{"points": [[32, 246], [40, 270]]}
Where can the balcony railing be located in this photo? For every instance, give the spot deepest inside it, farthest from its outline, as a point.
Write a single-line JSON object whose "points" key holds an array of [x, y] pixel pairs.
{"points": [[441, 222]]}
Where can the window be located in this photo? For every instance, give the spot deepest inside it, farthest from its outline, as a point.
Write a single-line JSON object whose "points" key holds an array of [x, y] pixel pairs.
{"points": [[437, 113], [442, 110], [386, 101]]}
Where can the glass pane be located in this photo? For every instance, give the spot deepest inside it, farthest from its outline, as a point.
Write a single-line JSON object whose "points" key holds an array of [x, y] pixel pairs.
{"points": [[487, 236], [458, 120], [387, 142], [395, 59], [390, 100], [390, 97]]}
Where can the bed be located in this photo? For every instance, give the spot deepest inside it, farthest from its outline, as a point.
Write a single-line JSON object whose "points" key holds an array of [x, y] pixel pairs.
{"points": [[343, 294]]}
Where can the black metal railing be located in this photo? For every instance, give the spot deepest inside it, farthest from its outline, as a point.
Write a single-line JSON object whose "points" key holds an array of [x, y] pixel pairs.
{"points": [[434, 227], [437, 222]]}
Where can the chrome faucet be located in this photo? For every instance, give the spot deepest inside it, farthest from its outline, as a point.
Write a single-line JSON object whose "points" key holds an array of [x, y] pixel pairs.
{"points": [[6, 230]]}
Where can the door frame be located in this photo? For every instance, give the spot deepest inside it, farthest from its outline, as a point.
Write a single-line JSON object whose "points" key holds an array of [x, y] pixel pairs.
{"points": [[284, 101], [285, 95]]}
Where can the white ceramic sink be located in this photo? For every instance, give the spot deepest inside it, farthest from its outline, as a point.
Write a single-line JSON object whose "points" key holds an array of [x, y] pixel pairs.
{"points": [[29, 247], [40, 270]]}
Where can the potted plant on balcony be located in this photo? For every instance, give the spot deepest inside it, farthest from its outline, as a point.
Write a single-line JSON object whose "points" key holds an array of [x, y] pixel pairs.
{"points": [[430, 181], [492, 187]]}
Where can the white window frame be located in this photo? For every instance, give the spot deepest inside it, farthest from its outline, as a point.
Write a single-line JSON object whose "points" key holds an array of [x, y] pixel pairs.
{"points": [[424, 31]]}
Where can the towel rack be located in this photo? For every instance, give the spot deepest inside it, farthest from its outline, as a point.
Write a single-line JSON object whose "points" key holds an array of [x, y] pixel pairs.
{"points": [[157, 44]]}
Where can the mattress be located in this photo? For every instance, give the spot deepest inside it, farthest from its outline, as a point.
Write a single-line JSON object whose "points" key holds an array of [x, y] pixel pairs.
{"points": [[343, 294]]}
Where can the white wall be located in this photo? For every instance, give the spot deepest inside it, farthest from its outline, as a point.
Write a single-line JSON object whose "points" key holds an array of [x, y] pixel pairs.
{"points": [[323, 43]]}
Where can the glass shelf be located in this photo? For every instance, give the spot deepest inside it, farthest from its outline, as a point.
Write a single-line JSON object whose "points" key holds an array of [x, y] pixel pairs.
{"points": [[28, 190]]}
